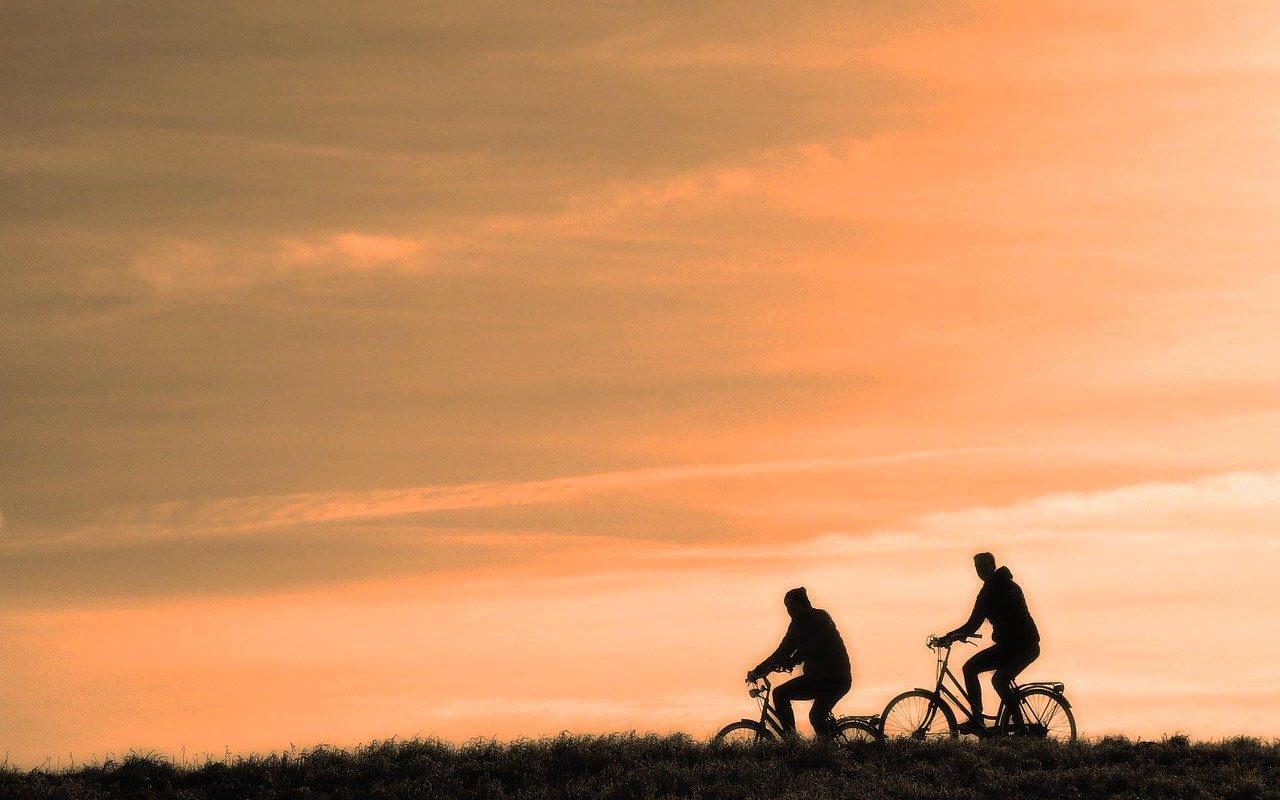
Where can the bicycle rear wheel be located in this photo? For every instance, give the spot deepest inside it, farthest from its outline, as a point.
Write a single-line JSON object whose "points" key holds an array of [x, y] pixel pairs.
{"points": [[856, 730], [1046, 714], [743, 731], [918, 714]]}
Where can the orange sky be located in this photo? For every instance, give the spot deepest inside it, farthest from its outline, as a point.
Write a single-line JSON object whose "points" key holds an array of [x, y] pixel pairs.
{"points": [[488, 370]]}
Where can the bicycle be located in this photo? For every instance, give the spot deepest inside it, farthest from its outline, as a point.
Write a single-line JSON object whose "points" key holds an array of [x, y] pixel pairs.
{"points": [[769, 728], [930, 714]]}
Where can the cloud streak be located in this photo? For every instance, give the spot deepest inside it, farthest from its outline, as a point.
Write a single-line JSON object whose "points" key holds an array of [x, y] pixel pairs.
{"points": [[263, 513], [195, 268], [1196, 513]]}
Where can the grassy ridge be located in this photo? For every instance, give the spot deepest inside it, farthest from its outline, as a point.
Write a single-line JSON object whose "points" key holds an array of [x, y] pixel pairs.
{"points": [[627, 766]]}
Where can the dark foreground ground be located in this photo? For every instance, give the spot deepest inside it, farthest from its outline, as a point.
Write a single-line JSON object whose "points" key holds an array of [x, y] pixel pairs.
{"points": [[676, 766]]}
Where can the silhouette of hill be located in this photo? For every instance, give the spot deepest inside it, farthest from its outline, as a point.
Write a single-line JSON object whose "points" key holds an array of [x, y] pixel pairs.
{"points": [[629, 766]]}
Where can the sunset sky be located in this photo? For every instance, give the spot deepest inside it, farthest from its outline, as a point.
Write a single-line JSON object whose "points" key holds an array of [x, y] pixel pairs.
{"points": [[492, 368]]}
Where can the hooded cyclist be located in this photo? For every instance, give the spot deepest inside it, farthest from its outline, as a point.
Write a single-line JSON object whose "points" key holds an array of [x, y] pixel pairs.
{"points": [[811, 640], [1015, 639]]}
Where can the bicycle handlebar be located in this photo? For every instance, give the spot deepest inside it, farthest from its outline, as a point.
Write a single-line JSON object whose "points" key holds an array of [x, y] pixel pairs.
{"points": [[941, 641], [765, 676], [760, 686]]}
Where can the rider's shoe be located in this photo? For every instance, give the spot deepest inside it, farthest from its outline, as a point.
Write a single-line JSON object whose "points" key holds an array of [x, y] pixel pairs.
{"points": [[973, 727]]}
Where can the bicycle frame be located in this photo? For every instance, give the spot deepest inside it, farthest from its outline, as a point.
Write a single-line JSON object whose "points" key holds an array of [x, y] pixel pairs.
{"points": [[949, 697], [959, 697], [769, 717]]}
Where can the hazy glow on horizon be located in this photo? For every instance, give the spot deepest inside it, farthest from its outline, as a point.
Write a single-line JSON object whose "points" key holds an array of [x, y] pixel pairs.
{"points": [[474, 371]]}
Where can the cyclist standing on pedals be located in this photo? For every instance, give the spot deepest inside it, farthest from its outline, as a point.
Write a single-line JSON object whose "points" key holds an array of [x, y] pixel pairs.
{"points": [[1015, 640], [811, 640]]}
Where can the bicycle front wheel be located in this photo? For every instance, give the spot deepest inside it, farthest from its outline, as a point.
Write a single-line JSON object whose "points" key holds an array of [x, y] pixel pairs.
{"points": [[1046, 714], [918, 714], [743, 731], [856, 730]]}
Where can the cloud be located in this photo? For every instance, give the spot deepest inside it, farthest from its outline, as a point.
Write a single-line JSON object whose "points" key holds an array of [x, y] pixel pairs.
{"points": [[187, 266], [1246, 502], [240, 515], [1194, 513], [352, 251], [367, 249], [138, 120], [619, 210], [271, 544]]}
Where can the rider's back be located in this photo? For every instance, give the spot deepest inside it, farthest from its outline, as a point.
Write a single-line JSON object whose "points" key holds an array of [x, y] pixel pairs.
{"points": [[820, 645], [1001, 601]]}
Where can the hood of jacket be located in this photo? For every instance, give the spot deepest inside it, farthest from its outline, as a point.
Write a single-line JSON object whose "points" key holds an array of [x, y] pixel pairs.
{"points": [[1002, 575]]}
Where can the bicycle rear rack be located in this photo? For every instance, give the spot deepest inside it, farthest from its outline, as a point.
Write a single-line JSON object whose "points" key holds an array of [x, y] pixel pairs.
{"points": [[1056, 686]]}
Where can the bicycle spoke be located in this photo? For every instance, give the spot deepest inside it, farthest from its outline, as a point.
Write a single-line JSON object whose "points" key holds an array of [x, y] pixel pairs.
{"points": [[1030, 715], [1046, 719], [1053, 712], [917, 720], [1064, 725], [1029, 712], [904, 720]]}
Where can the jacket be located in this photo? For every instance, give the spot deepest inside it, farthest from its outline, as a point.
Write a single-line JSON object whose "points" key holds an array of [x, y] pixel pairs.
{"points": [[812, 640], [1001, 601]]}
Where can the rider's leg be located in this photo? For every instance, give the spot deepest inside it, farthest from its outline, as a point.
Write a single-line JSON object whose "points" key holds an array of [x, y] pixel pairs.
{"points": [[1015, 660], [795, 689], [980, 662], [824, 702]]}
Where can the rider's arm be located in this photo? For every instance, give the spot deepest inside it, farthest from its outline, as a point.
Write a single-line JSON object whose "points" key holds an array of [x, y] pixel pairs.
{"points": [[783, 656], [971, 625]]}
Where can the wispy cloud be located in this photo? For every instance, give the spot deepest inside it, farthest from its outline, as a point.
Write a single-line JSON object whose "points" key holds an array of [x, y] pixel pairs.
{"points": [[258, 513], [1241, 501], [1248, 501], [189, 266], [352, 249], [1193, 513]]}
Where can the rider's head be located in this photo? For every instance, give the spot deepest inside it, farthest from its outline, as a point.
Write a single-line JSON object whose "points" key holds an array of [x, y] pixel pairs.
{"points": [[985, 564], [796, 600]]}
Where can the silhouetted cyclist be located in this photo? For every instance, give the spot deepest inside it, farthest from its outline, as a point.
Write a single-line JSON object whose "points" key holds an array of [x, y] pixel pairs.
{"points": [[1015, 639], [811, 640]]}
